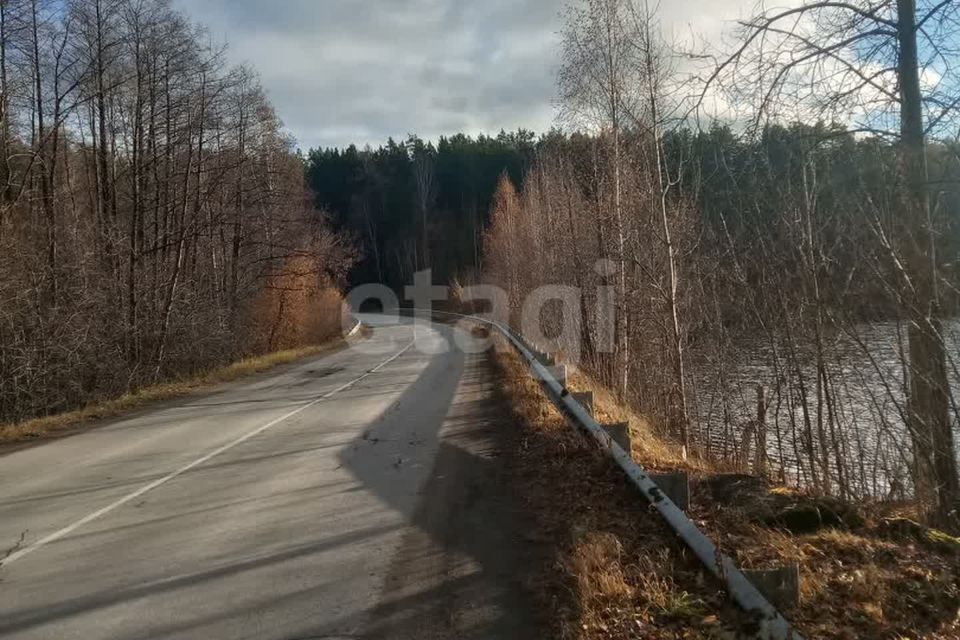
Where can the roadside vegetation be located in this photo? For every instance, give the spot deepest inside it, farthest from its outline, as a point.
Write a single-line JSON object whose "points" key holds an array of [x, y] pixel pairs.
{"points": [[785, 292], [610, 568], [606, 565], [784, 325], [63, 423], [154, 221]]}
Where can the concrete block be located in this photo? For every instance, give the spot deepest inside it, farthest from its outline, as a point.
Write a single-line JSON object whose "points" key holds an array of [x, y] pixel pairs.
{"points": [[544, 358], [675, 486], [780, 586], [620, 433], [559, 372], [585, 400]]}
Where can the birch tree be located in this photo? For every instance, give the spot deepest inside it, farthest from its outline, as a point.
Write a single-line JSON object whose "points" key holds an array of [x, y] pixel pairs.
{"points": [[599, 83]]}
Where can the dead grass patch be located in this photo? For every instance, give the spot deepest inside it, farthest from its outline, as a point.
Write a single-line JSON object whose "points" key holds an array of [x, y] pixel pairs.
{"points": [[596, 563], [653, 452], [867, 571], [860, 577], [55, 425], [610, 566]]}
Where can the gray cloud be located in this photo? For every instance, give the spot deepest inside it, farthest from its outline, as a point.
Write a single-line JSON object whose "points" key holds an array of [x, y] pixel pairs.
{"points": [[342, 71]]}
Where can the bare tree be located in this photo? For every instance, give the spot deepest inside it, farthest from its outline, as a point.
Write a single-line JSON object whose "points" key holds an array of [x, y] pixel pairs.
{"points": [[599, 83], [887, 67], [150, 201], [651, 117]]}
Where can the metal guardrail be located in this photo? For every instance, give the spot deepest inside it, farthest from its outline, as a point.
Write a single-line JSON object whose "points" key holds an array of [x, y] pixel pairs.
{"points": [[771, 625], [356, 328]]}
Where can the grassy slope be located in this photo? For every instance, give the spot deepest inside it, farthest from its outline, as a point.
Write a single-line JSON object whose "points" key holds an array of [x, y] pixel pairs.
{"points": [[610, 568], [59, 424], [615, 572]]}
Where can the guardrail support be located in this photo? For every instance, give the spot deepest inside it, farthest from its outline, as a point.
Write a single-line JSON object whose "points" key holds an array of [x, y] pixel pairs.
{"points": [[585, 400], [675, 486], [620, 433], [559, 373], [546, 359], [781, 586]]}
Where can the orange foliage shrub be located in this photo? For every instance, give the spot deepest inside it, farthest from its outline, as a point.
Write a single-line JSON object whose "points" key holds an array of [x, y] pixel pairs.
{"points": [[297, 307]]}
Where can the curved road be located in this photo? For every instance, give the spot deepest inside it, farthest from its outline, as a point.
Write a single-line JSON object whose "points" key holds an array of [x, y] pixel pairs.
{"points": [[357, 495]]}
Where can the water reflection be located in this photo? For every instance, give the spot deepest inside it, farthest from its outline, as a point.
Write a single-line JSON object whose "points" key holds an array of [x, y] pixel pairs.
{"points": [[853, 424]]}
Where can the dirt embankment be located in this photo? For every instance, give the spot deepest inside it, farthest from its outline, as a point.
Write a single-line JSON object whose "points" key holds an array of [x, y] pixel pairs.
{"points": [[611, 569]]}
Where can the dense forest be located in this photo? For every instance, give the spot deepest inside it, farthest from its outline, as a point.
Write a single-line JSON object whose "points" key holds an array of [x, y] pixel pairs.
{"points": [[417, 204], [154, 220], [386, 197]]}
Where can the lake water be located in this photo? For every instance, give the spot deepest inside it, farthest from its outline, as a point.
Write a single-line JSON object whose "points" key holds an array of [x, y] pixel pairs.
{"points": [[858, 414]]}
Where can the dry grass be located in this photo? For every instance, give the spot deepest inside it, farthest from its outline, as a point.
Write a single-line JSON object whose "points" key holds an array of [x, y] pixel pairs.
{"points": [[596, 563], [610, 568], [56, 425], [655, 453], [867, 571], [873, 573]]}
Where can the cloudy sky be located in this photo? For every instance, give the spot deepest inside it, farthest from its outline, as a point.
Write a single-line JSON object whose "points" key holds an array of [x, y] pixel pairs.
{"points": [[342, 71]]}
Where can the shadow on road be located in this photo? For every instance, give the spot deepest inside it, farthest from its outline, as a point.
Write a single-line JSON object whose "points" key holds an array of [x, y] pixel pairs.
{"points": [[458, 571], [432, 456]]}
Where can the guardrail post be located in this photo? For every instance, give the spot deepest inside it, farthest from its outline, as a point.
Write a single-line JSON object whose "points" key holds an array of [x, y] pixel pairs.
{"points": [[585, 400], [559, 373], [545, 359], [781, 586], [675, 486], [619, 433]]}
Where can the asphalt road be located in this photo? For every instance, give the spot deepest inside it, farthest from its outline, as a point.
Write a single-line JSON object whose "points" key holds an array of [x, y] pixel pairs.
{"points": [[358, 495]]}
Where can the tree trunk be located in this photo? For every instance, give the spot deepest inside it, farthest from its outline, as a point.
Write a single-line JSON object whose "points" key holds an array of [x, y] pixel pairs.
{"points": [[935, 466]]}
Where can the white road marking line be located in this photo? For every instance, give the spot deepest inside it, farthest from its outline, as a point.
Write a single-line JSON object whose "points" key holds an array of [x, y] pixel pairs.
{"points": [[56, 535]]}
